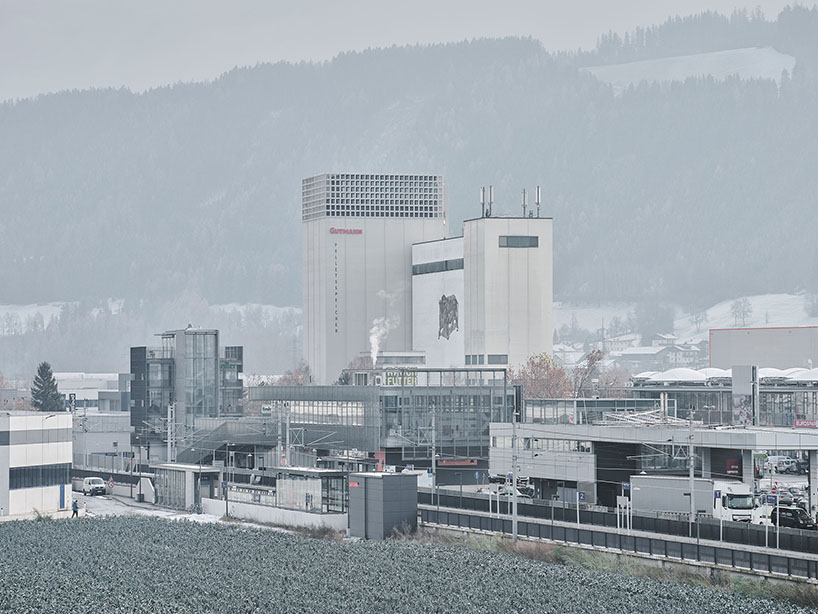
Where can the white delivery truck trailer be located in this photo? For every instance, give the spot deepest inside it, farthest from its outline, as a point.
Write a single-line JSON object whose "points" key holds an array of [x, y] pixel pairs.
{"points": [[728, 500]]}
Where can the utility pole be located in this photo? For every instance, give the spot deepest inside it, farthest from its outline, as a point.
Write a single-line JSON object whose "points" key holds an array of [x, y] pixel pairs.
{"points": [[434, 455], [514, 456], [691, 464], [139, 496], [287, 411]]}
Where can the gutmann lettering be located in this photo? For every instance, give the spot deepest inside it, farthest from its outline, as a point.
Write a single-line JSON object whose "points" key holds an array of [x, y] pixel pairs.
{"points": [[346, 231]]}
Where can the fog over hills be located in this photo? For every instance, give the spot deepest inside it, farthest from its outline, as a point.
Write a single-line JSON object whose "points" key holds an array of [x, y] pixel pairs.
{"points": [[689, 192]]}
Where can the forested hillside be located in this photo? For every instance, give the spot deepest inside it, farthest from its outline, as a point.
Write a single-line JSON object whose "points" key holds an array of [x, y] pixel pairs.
{"points": [[691, 192]]}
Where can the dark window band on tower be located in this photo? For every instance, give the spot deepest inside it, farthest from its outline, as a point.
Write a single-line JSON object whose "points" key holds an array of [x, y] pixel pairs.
{"points": [[519, 241], [437, 267]]}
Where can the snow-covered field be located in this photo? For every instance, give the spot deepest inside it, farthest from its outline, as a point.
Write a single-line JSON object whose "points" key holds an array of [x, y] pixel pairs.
{"points": [[589, 317], [270, 313], [15, 319], [20, 314], [767, 310], [748, 63]]}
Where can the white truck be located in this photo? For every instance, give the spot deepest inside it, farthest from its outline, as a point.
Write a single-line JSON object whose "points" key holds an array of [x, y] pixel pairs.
{"points": [[725, 499]]}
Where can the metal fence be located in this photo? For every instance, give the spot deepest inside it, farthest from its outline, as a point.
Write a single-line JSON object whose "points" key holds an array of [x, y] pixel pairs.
{"points": [[742, 533], [740, 558], [111, 463]]}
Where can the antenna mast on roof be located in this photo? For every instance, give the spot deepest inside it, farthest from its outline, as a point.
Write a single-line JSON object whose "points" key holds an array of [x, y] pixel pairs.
{"points": [[525, 200], [491, 200], [483, 200], [537, 199]]}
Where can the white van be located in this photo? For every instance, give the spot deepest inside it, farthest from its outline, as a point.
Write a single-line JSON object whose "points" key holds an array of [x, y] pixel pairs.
{"points": [[93, 486], [780, 464]]}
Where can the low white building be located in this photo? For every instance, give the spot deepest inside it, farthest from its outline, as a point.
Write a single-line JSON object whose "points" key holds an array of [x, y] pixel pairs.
{"points": [[35, 463]]}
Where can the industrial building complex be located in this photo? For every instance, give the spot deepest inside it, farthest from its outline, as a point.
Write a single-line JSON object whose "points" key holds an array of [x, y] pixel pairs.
{"points": [[383, 281], [411, 336]]}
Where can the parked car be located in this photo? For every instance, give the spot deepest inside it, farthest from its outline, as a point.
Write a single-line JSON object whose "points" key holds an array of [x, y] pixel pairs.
{"points": [[792, 517], [780, 464], [801, 467], [93, 486]]}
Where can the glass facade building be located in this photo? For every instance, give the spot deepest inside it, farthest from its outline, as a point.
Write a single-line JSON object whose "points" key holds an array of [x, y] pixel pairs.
{"points": [[187, 369], [402, 413]]}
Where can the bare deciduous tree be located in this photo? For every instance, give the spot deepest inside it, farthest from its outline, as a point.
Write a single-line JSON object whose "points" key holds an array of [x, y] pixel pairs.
{"points": [[741, 310], [698, 318]]}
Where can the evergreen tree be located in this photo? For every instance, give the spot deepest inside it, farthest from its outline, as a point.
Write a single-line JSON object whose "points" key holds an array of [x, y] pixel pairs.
{"points": [[44, 393]]}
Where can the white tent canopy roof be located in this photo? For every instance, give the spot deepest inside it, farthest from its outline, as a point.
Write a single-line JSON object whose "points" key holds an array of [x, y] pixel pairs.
{"points": [[680, 374]]}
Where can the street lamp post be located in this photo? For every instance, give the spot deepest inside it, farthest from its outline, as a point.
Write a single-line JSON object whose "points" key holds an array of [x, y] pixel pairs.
{"points": [[692, 469], [139, 494]]}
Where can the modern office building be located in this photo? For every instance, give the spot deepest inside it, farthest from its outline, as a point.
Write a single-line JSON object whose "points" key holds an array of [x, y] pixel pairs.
{"points": [[598, 459], [358, 231], [401, 417], [187, 373], [35, 463]]}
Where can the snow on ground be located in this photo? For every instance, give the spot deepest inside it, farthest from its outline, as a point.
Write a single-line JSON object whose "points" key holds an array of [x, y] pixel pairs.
{"points": [[270, 312], [589, 317], [767, 310], [21, 313], [749, 63], [13, 317], [109, 505]]}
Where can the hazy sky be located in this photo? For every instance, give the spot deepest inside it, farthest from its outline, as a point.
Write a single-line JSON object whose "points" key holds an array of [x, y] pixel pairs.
{"points": [[53, 45]]}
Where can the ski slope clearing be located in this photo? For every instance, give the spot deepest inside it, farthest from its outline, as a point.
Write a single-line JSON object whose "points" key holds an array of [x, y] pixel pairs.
{"points": [[749, 63], [137, 564], [767, 310]]}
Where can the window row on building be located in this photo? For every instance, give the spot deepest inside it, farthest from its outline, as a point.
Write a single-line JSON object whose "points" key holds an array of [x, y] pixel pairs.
{"points": [[377, 190], [537, 443], [385, 206], [354, 179], [455, 264], [37, 476], [347, 413], [491, 359], [519, 241]]}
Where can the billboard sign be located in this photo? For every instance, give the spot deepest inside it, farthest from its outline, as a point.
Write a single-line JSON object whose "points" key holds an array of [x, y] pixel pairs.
{"points": [[744, 380]]}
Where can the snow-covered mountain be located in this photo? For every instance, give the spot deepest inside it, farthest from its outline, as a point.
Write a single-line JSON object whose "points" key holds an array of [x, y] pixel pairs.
{"points": [[749, 63]]}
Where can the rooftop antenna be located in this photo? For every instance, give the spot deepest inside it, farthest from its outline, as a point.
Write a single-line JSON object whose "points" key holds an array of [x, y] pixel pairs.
{"points": [[525, 200], [483, 200], [491, 200], [537, 199]]}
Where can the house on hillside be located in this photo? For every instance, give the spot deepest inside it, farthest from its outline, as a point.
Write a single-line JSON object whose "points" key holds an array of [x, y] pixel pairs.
{"points": [[643, 358], [663, 339], [620, 342]]}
